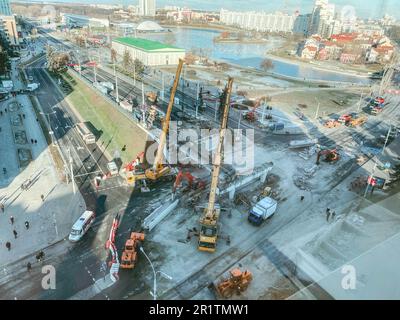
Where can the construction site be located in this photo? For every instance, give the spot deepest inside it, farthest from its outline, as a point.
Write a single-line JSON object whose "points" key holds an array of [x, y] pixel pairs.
{"points": [[191, 190], [278, 227]]}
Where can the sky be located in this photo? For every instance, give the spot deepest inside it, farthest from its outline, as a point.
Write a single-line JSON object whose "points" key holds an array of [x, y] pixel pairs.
{"points": [[364, 8]]}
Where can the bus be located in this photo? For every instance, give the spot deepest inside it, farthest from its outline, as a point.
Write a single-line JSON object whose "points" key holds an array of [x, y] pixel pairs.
{"points": [[81, 226], [84, 132]]}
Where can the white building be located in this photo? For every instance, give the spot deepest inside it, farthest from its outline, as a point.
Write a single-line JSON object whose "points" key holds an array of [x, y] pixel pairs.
{"points": [[259, 21], [150, 53], [147, 8], [8, 28], [74, 20]]}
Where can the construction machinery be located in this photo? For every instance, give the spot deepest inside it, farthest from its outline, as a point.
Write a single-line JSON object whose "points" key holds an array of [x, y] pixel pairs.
{"points": [[129, 255], [358, 121], [332, 123], [209, 220], [192, 181], [345, 118], [330, 155], [159, 169], [136, 173], [237, 282], [152, 96]]}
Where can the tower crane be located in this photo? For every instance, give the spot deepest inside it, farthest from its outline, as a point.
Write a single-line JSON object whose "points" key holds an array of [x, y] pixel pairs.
{"points": [[209, 220]]}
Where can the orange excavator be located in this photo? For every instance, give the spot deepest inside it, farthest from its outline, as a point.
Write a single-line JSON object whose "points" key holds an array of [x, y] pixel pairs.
{"points": [[330, 155], [237, 282], [193, 182], [129, 255]]}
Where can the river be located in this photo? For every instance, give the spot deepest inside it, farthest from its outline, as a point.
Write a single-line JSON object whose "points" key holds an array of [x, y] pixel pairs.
{"points": [[246, 55]]}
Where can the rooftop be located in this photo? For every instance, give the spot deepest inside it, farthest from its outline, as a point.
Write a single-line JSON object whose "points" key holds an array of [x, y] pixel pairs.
{"points": [[147, 45]]}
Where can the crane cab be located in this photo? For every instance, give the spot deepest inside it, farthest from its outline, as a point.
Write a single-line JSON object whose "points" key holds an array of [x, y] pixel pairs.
{"points": [[209, 231], [158, 173]]}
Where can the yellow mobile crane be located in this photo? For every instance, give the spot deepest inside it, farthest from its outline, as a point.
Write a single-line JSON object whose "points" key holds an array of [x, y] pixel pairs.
{"points": [[209, 220], [158, 169]]}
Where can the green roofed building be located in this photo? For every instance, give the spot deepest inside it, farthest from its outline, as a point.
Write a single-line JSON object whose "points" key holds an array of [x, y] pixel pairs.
{"points": [[151, 53]]}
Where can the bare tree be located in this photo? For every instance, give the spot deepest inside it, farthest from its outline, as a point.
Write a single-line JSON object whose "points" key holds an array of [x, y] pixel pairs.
{"points": [[113, 53], [127, 60], [267, 64]]}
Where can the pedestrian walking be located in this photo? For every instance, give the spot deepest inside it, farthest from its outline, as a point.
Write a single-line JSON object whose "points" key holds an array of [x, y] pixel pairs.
{"points": [[301, 198], [333, 215], [12, 220], [32, 141], [42, 197], [27, 225], [15, 234], [328, 214], [29, 267], [8, 245], [35, 141]]}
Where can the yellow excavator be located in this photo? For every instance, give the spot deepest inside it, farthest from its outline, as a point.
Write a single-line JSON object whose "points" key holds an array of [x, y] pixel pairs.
{"points": [[209, 220], [158, 169]]}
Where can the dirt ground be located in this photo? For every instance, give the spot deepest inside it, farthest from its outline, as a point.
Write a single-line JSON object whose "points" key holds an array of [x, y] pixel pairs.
{"points": [[331, 102]]}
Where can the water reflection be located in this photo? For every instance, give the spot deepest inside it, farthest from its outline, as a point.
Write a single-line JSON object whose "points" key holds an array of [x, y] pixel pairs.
{"points": [[247, 55]]}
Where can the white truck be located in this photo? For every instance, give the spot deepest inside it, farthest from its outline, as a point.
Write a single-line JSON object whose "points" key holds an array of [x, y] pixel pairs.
{"points": [[112, 168], [263, 210], [126, 105], [107, 85], [32, 86], [101, 88]]}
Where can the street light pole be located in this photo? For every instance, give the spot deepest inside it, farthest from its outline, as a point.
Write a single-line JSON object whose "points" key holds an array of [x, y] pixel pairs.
{"points": [[116, 84], [154, 275], [387, 138], [71, 170], [359, 103], [316, 114]]}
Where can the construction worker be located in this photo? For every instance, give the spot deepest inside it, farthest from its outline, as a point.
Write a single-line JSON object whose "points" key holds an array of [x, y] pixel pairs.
{"points": [[42, 197], [328, 213], [12, 220], [8, 245], [29, 267], [301, 198], [2, 207], [15, 234], [333, 215], [27, 225]]}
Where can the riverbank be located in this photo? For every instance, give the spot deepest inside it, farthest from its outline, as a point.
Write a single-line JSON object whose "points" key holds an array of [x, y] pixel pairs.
{"points": [[315, 66]]}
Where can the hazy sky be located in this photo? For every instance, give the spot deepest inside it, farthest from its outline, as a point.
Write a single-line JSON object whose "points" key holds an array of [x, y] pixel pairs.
{"points": [[364, 8]]}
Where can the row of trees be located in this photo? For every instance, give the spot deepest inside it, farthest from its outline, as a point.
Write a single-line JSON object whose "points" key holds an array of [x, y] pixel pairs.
{"points": [[133, 67]]}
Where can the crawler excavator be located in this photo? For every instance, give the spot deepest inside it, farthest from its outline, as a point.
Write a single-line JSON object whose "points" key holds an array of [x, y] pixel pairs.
{"points": [[209, 220], [158, 169]]}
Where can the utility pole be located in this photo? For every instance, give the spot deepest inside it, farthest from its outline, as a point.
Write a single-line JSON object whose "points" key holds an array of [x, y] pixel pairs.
{"points": [[162, 82], [143, 102], [359, 103], [71, 170], [116, 84], [316, 113], [387, 138]]}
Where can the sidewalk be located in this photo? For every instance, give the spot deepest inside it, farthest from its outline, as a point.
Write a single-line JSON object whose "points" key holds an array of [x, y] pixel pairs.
{"points": [[49, 220]]}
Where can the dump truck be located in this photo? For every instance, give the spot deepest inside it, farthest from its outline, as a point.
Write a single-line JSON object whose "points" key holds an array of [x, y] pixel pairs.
{"points": [[263, 210], [331, 123], [358, 121], [236, 283], [129, 255]]}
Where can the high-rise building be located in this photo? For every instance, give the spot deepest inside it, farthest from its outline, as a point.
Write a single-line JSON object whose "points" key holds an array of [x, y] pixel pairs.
{"points": [[259, 21], [8, 28], [147, 8], [5, 8]]}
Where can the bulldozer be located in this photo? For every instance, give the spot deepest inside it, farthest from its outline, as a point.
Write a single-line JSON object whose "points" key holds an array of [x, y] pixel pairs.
{"points": [[129, 255], [237, 282]]}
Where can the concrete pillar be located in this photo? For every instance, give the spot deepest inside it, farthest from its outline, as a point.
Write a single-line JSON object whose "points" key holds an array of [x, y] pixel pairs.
{"points": [[232, 192]]}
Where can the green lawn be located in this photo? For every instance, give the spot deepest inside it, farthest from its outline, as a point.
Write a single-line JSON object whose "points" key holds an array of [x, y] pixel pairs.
{"points": [[116, 129]]}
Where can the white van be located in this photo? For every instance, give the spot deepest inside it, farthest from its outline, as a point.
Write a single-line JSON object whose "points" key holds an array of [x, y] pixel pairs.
{"points": [[81, 226]]}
